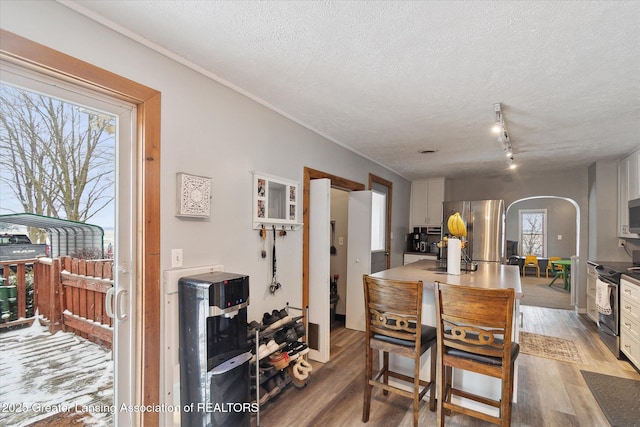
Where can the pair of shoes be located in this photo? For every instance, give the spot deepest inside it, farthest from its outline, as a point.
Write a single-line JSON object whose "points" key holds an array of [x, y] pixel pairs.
{"points": [[297, 356], [266, 349], [271, 387], [276, 319], [268, 320], [279, 360], [302, 369], [287, 379], [295, 348], [272, 346], [286, 335], [266, 368], [280, 381], [264, 396], [254, 326], [299, 373], [300, 331]]}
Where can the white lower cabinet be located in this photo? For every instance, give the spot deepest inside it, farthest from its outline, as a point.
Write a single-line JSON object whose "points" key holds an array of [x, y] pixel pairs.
{"points": [[630, 321]]}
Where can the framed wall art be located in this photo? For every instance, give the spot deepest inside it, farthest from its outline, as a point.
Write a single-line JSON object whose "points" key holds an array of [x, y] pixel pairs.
{"points": [[193, 196]]}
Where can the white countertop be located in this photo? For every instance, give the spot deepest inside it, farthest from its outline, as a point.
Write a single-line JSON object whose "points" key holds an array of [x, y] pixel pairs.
{"points": [[631, 279]]}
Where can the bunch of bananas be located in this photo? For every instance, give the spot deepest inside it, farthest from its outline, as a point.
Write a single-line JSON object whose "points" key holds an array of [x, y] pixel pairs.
{"points": [[456, 226]]}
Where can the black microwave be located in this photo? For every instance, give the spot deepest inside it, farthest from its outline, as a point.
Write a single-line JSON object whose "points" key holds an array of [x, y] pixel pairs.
{"points": [[634, 216]]}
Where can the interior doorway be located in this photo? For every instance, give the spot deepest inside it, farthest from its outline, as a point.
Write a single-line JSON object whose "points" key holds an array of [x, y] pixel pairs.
{"points": [[381, 258], [318, 328], [336, 182], [338, 258], [561, 239], [334, 202]]}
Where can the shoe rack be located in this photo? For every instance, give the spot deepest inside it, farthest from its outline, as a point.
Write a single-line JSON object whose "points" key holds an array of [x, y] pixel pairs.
{"points": [[267, 335]]}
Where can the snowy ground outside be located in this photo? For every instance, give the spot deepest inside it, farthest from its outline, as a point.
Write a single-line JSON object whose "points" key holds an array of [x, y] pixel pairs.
{"points": [[43, 374]]}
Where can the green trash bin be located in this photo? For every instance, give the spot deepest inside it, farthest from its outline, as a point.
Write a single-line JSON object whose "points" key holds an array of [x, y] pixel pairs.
{"points": [[13, 292], [9, 293]]}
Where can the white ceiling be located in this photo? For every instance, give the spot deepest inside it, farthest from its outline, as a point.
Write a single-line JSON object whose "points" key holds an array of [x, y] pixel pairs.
{"points": [[388, 79]]}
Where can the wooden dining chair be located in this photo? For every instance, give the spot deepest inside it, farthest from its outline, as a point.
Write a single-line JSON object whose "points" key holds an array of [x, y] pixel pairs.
{"points": [[393, 310], [475, 328], [531, 261]]}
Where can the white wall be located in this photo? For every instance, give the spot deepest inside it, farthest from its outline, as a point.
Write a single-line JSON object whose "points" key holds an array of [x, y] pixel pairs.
{"points": [[210, 130], [603, 213], [571, 184]]}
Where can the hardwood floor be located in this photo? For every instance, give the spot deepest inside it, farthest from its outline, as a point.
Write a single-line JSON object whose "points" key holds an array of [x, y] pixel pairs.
{"points": [[550, 393]]}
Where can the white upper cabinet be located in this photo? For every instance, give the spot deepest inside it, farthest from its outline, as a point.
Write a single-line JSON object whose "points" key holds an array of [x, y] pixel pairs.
{"points": [[426, 202], [628, 189], [634, 176]]}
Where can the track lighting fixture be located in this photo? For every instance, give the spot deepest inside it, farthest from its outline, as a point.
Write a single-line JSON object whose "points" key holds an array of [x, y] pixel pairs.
{"points": [[508, 151], [500, 128]]}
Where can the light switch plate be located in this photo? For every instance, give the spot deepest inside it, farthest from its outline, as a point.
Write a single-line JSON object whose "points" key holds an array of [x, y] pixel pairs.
{"points": [[176, 258]]}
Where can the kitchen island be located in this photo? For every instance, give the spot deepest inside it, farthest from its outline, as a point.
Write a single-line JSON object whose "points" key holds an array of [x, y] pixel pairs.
{"points": [[488, 275]]}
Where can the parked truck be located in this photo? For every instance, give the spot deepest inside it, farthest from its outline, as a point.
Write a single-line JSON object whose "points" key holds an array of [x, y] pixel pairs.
{"points": [[15, 247]]}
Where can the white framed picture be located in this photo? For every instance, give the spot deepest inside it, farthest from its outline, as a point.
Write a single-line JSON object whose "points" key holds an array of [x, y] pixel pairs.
{"points": [[193, 196]]}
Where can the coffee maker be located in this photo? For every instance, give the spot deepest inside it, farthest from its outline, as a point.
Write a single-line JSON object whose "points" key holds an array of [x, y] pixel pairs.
{"points": [[417, 241], [413, 241]]}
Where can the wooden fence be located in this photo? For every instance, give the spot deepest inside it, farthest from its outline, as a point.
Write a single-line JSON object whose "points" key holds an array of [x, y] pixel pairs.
{"points": [[20, 268], [84, 285], [68, 293]]}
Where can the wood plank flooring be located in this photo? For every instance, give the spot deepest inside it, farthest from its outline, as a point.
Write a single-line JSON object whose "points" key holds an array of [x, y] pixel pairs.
{"points": [[551, 393]]}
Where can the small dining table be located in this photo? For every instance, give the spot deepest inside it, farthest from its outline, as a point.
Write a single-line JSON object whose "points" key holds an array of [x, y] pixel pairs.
{"points": [[565, 265]]}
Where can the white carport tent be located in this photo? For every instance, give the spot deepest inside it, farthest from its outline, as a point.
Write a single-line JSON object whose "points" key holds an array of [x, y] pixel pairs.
{"points": [[65, 236]]}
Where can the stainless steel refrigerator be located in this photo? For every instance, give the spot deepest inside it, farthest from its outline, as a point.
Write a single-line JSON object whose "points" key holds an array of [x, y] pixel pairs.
{"points": [[485, 228]]}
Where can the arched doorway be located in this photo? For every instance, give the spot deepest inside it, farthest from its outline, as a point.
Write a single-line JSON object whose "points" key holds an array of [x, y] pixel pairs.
{"points": [[561, 238]]}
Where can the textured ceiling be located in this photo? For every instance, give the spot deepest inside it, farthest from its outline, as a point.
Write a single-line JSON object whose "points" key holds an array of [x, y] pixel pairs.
{"points": [[389, 79]]}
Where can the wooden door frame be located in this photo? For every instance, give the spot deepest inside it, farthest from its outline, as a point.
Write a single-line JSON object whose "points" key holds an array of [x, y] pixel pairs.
{"points": [[336, 182], [26, 53], [379, 180]]}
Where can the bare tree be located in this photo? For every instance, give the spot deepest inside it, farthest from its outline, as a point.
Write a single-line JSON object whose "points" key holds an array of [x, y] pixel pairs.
{"points": [[58, 159], [532, 232]]}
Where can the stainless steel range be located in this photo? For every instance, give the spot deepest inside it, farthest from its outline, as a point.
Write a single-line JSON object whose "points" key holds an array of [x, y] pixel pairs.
{"points": [[609, 322]]}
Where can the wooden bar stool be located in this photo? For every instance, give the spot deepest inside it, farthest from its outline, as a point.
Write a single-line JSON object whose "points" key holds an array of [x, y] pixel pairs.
{"points": [[394, 325], [475, 334]]}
